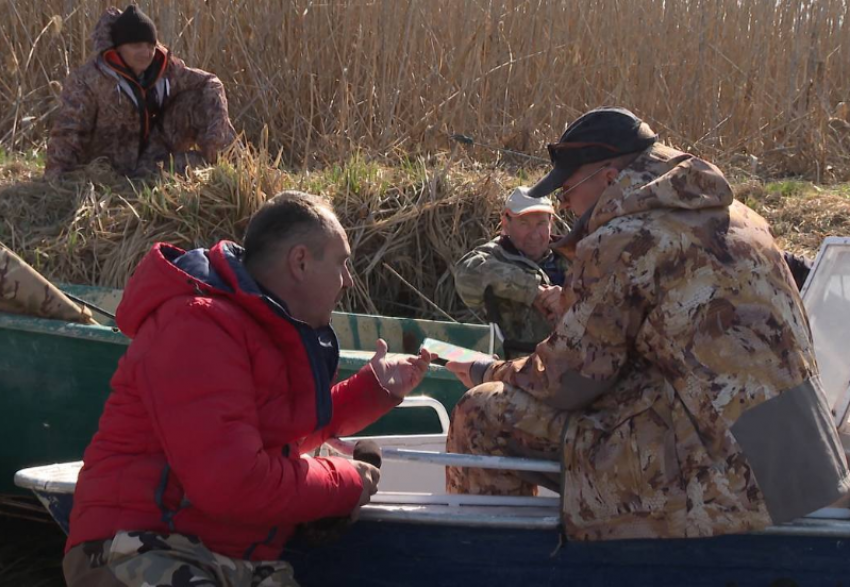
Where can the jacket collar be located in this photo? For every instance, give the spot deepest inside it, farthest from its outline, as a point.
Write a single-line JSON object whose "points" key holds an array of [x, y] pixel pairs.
{"points": [[168, 272]]}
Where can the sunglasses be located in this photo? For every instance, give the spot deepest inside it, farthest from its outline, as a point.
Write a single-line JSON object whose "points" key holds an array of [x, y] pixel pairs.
{"points": [[561, 196]]}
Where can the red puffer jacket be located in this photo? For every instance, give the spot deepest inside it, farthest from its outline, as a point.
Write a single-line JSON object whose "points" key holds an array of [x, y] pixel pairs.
{"points": [[217, 396]]}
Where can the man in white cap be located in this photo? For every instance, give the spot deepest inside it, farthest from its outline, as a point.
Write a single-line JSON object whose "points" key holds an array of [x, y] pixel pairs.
{"points": [[516, 278]]}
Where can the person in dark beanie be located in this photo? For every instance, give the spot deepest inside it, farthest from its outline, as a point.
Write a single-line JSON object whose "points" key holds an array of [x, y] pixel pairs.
{"points": [[137, 106], [133, 26], [134, 38]]}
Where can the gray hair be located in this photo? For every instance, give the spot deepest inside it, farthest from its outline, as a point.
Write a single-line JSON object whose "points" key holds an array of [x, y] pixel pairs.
{"points": [[288, 219]]}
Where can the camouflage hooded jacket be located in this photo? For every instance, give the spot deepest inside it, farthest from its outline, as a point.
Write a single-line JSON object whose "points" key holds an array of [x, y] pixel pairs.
{"points": [[99, 114], [686, 361], [495, 277]]}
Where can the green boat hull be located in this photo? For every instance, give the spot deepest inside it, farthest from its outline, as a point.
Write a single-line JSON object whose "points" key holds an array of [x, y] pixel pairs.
{"points": [[54, 377]]}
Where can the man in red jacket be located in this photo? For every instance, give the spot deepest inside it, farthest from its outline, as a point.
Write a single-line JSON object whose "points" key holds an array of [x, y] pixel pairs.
{"points": [[195, 474]]}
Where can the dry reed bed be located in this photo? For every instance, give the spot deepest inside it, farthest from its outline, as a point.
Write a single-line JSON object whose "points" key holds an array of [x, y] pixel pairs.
{"points": [[406, 223], [800, 215], [724, 78], [95, 227]]}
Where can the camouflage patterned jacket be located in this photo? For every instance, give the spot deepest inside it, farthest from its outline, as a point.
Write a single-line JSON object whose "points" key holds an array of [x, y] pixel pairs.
{"points": [[99, 117], [499, 280], [23, 290], [686, 361]]}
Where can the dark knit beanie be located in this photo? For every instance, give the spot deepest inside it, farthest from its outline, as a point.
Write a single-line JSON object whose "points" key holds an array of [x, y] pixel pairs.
{"points": [[133, 26]]}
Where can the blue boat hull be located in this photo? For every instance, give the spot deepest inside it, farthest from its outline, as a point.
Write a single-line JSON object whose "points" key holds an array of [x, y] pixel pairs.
{"points": [[386, 554]]}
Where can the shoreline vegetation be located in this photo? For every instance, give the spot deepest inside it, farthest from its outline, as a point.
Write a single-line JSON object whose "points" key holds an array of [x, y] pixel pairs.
{"points": [[408, 223], [357, 99]]}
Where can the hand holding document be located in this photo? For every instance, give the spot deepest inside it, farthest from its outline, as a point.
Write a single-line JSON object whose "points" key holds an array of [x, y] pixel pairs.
{"points": [[449, 352]]}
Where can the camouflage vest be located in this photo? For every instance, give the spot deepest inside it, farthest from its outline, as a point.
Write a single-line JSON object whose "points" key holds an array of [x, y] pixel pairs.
{"points": [[503, 283]]}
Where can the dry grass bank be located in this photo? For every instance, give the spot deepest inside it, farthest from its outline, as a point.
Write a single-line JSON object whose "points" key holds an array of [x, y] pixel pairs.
{"points": [[729, 79], [416, 219]]}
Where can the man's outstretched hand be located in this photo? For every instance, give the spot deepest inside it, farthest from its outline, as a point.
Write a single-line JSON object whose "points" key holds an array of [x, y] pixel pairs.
{"points": [[461, 370], [399, 374]]}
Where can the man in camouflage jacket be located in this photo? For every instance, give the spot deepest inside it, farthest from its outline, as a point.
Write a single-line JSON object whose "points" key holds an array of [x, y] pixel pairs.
{"points": [[137, 116], [680, 387], [516, 278]]}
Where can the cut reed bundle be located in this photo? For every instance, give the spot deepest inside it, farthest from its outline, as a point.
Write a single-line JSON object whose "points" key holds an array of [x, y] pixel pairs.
{"points": [[417, 220], [94, 227]]}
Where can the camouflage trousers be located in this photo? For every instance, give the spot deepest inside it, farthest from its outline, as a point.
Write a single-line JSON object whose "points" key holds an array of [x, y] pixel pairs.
{"points": [[137, 559], [501, 420]]}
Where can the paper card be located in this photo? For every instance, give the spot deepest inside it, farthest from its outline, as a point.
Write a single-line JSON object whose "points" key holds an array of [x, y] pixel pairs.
{"points": [[451, 352]]}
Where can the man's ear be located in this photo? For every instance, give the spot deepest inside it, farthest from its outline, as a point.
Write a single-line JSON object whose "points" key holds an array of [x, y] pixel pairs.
{"points": [[504, 223], [611, 174], [297, 260]]}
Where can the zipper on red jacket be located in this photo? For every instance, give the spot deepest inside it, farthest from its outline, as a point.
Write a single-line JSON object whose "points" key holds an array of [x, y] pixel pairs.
{"points": [[250, 550]]}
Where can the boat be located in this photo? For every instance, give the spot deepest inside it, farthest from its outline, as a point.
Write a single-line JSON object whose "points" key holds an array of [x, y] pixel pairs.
{"points": [[414, 534], [54, 375]]}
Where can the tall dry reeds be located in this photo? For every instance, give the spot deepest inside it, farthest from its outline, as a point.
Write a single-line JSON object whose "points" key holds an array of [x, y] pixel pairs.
{"points": [[731, 79]]}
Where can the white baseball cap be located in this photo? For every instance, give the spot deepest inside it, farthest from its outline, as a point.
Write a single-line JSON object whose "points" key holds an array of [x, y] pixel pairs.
{"points": [[519, 203]]}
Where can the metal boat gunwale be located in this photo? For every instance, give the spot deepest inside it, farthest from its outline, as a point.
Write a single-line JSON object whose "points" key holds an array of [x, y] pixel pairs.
{"points": [[431, 509]]}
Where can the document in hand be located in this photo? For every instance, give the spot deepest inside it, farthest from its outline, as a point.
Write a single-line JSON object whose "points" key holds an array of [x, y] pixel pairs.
{"points": [[450, 352]]}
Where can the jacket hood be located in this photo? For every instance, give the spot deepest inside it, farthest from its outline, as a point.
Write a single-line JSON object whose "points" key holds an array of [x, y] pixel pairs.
{"points": [[111, 62], [167, 272], [662, 178], [101, 36]]}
